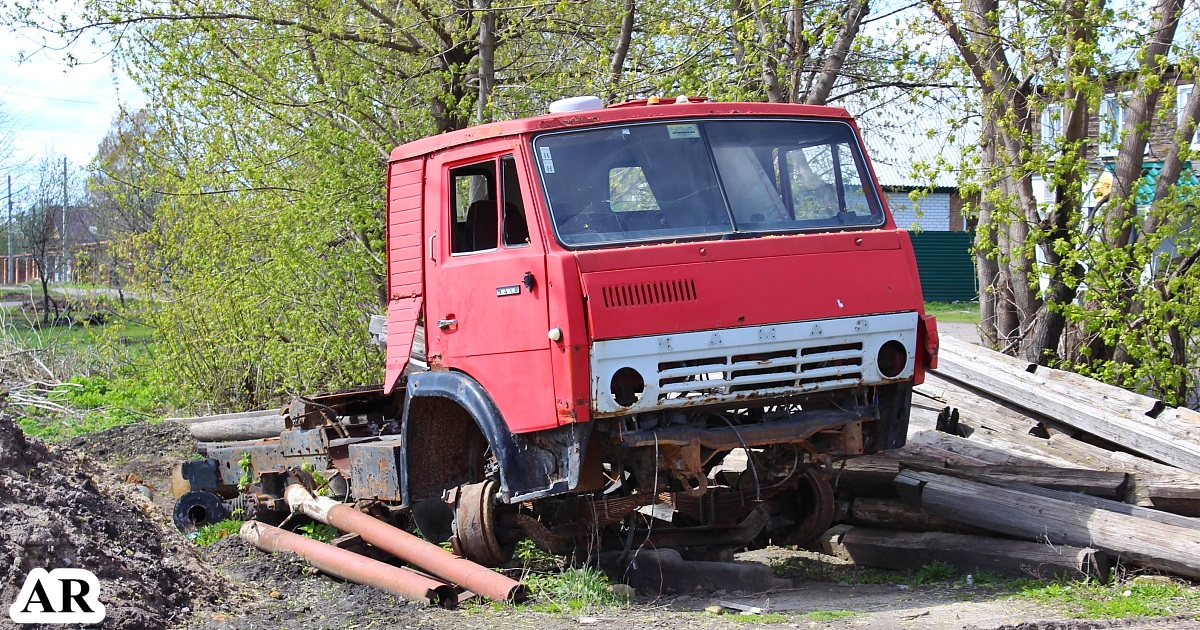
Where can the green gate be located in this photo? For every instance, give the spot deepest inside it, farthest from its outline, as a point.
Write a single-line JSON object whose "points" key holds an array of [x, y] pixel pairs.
{"points": [[946, 265]]}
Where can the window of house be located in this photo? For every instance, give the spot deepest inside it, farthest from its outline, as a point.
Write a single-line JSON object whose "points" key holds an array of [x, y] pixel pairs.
{"points": [[1112, 121], [1052, 121], [1182, 94]]}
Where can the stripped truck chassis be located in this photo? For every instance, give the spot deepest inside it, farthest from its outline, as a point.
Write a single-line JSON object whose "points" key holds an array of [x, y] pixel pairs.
{"points": [[688, 485]]}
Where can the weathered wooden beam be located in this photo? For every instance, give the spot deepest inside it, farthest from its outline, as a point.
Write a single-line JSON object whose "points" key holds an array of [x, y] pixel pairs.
{"points": [[1116, 399], [226, 416], [239, 428], [1178, 493], [1097, 483], [1009, 429], [1166, 542], [966, 553], [896, 514], [989, 450], [1077, 408], [873, 476]]}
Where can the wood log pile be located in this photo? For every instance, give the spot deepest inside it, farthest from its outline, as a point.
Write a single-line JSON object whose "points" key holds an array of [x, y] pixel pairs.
{"points": [[1020, 469]]}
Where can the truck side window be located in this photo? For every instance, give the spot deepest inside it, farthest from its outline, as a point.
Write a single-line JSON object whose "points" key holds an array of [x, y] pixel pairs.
{"points": [[516, 229], [473, 213]]}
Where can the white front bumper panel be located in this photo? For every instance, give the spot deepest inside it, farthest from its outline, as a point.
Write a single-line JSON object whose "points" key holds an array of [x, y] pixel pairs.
{"points": [[732, 364]]}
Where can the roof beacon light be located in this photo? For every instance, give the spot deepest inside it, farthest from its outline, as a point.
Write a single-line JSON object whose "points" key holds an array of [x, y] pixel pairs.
{"points": [[575, 104], [682, 99]]}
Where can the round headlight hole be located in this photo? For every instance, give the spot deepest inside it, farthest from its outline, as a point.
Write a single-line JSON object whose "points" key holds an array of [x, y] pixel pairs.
{"points": [[893, 356], [627, 386]]}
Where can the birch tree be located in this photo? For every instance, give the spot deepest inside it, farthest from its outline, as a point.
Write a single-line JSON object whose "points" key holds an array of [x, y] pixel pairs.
{"points": [[1076, 280]]}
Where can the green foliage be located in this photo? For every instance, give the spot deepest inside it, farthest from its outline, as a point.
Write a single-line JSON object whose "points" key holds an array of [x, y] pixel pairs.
{"points": [[573, 590], [764, 618], [829, 615], [220, 530], [95, 403], [248, 195], [1103, 282], [1130, 599], [532, 558], [246, 466], [319, 478], [935, 572], [318, 531]]}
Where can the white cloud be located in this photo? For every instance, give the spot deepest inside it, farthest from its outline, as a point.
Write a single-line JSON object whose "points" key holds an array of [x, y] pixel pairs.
{"points": [[55, 107]]}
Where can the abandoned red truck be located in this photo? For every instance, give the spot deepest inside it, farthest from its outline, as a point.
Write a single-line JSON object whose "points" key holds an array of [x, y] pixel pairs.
{"points": [[650, 320]]}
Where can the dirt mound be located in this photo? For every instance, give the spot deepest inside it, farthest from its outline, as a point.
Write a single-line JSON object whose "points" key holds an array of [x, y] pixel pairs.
{"points": [[60, 509], [160, 443], [141, 454]]}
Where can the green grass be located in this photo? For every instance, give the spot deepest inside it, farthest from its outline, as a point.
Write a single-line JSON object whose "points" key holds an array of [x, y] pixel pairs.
{"points": [[100, 403], [934, 572], [963, 312], [30, 335], [759, 618], [213, 532], [573, 590], [1129, 599], [829, 615]]}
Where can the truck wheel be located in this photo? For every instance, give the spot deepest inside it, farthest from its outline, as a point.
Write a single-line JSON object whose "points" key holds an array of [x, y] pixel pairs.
{"points": [[478, 534]]}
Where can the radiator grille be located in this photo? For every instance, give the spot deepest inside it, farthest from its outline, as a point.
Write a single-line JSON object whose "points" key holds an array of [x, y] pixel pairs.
{"points": [[806, 367], [647, 293]]}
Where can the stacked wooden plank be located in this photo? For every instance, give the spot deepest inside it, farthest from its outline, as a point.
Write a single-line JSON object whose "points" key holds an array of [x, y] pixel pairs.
{"points": [[1036, 471]]}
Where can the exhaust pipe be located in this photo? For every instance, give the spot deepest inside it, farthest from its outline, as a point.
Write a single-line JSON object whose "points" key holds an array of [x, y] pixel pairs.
{"points": [[350, 566], [425, 555]]}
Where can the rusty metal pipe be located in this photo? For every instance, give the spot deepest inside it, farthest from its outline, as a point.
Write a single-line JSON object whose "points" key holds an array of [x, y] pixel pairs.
{"points": [[425, 555], [350, 566]]}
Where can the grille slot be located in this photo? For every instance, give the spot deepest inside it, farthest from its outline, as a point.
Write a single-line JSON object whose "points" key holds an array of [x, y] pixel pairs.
{"points": [[805, 367], [648, 293]]}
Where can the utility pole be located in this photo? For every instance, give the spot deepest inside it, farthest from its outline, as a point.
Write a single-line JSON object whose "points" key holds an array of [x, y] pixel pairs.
{"points": [[8, 257], [65, 266]]}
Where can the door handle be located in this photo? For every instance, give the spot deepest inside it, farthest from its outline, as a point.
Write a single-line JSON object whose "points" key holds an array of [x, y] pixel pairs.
{"points": [[445, 324]]}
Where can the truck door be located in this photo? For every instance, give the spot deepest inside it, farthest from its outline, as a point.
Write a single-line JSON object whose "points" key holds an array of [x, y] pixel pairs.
{"points": [[486, 304]]}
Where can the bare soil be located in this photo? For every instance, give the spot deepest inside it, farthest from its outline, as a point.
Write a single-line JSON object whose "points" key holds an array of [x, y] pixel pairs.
{"points": [[60, 508]]}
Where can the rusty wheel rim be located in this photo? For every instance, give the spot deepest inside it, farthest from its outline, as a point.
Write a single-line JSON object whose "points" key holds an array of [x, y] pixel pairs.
{"points": [[475, 525], [816, 495]]}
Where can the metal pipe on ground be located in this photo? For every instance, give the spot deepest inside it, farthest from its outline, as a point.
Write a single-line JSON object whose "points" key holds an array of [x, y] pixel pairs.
{"points": [[423, 554], [350, 566]]}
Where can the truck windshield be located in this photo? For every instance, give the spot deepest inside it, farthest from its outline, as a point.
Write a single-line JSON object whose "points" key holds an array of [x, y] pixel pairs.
{"points": [[664, 181]]}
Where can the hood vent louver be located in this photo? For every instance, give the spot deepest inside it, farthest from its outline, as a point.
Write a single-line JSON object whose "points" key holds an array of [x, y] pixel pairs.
{"points": [[648, 293]]}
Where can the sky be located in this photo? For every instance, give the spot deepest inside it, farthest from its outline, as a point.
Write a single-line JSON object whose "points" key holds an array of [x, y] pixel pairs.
{"points": [[55, 108]]}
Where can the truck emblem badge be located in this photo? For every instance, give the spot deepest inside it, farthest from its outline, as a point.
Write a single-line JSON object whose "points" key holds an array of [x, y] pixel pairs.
{"points": [[512, 289]]}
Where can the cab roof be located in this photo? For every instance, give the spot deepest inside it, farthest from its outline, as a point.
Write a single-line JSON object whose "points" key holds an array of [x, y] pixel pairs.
{"points": [[634, 111]]}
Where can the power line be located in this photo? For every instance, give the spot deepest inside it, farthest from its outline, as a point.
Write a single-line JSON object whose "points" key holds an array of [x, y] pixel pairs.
{"points": [[63, 100]]}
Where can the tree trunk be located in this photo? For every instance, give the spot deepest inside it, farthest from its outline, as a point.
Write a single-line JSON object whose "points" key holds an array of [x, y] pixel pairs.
{"points": [[487, 58], [616, 67], [832, 68]]}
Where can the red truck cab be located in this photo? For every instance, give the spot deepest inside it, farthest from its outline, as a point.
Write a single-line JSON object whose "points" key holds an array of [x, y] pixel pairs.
{"points": [[614, 300]]}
